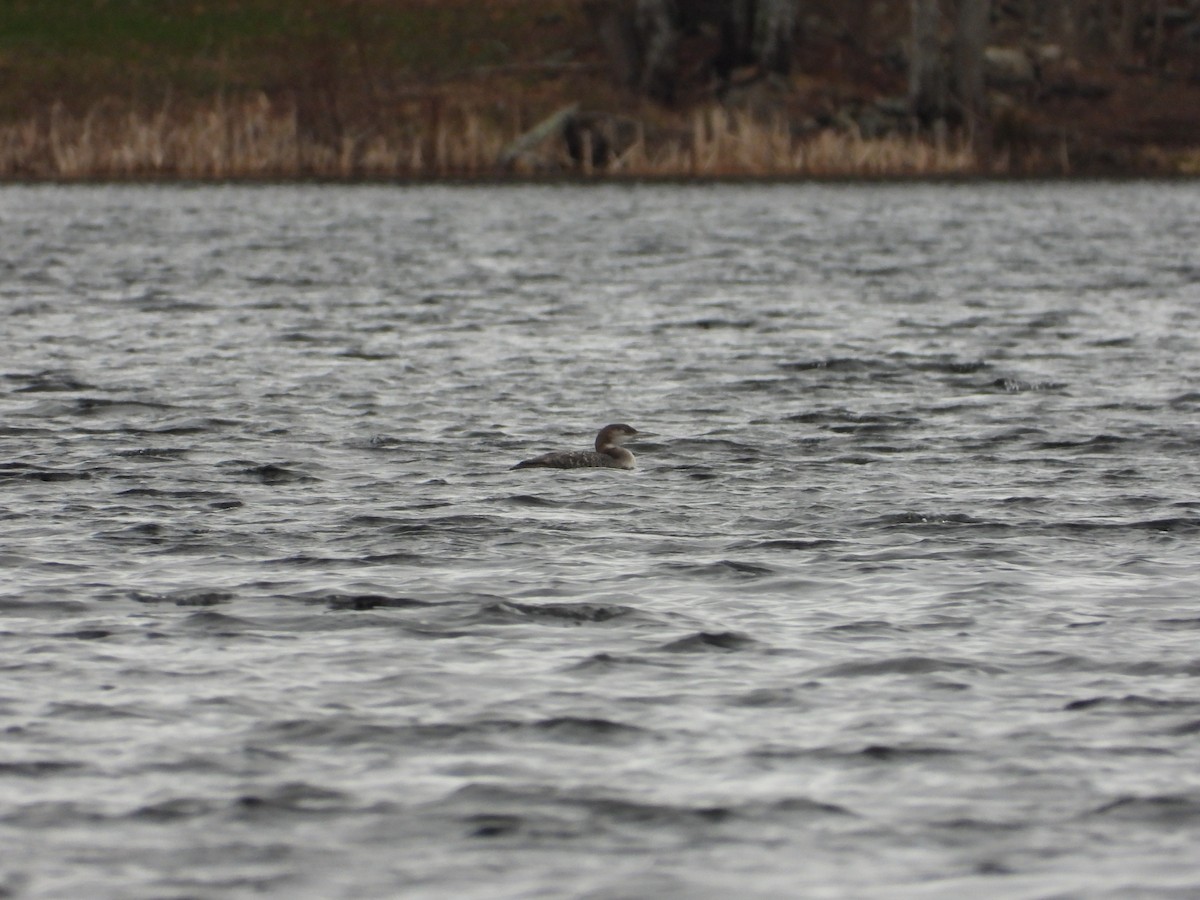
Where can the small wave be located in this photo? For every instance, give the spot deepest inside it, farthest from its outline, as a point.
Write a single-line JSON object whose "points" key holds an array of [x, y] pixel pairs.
{"points": [[531, 500], [41, 473], [200, 597], [890, 753], [844, 421], [365, 602], [933, 520], [724, 568], [38, 768], [786, 544], [267, 473], [1132, 703], [1098, 442], [296, 797], [707, 641], [1017, 386], [1164, 809], [1187, 624], [155, 453], [836, 363], [217, 624], [608, 662], [194, 425], [902, 665], [1169, 525], [510, 611], [48, 381]]}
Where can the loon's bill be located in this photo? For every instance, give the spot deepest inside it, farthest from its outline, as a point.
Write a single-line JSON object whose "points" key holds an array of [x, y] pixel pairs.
{"points": [[609, 454]]}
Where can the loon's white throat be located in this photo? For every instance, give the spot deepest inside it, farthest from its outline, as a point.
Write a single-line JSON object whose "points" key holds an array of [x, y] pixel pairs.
{"points": [[609, 454]]}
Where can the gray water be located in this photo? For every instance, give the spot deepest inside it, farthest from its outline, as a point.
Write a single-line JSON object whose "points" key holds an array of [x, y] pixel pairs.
{"points": [[901, 601]]}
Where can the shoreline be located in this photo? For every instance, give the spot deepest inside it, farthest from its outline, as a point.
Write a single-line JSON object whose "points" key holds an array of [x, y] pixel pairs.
{"points": [[458, 92], [603, 181]]}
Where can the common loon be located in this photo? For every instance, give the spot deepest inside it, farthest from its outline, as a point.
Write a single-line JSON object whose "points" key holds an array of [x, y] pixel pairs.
{"points": [[608, 453]]}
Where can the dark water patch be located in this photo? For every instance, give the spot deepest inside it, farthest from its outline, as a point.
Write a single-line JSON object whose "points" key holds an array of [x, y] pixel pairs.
{"points": [[349, 730], [789, 544], [155, 454], [1185, 624], [903, 665], [51, 814], [600, 811], [96, 406], [697, 472], [175, 810], [436, 525], [530, 500], [709, 641], [364, 602], [192, 597], [37, 768], [29, 472], [947, 365], [49, 381], [934, 520], [1049, 661], [195, 425], [693, 447], [215, 624], [1169, 810], [178, 494], [1189, 400], [47, 609], [168, 536], [573, 614], [82, 711], [835, 364], [909, 753], [358, 352], [756, 385], [87, 634], [1019, 434], [267, 473], [1175, 525], [612, 662], [1132, 704], [728, 569], [295, 797], [709, 324], [1100, 442], [1017, 386], [788, 698], [864, 626], [581, 730]]}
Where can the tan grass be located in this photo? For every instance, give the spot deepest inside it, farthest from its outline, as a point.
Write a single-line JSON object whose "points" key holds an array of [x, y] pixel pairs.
{"points": [[255, 138]]}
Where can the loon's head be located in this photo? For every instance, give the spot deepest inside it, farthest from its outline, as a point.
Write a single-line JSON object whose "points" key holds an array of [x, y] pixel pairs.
{"points": [[612, 435]]}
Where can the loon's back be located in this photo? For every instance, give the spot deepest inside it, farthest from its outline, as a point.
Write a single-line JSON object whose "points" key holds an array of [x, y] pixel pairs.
{"points": [[576, 459], [609, 454]]}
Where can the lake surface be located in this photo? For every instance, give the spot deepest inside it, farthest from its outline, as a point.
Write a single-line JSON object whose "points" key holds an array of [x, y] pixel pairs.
{"points": [[902, 600]]}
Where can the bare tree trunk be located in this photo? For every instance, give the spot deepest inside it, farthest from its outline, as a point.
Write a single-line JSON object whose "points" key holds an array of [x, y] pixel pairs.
{"points": [[926, 75], [613, 23], [655, 22], [1127, 29], [1156, 46], [775, 34], [970, 42]]}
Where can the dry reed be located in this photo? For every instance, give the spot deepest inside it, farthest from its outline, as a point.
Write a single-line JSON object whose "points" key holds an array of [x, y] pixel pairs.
{"points": [[255, 138]]}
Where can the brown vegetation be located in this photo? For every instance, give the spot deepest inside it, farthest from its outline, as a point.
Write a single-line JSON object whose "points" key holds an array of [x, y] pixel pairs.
{"points": [[269, 89]]}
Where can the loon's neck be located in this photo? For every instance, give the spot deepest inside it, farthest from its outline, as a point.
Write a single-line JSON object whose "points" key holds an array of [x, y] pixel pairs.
{"points": [[620, 455]]}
